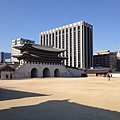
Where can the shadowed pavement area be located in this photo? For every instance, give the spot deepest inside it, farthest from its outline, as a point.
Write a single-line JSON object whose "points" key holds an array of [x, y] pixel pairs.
{"points": [[6, 94], [58, 110]]}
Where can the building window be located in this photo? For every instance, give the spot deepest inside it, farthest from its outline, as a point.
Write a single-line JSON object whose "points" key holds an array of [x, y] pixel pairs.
{"points": [[41, 38], [56, 41], [15, 42], [47, 39], [74, 46], [63, 40], [44, 40], [74, 28], [79, 48], [63, 31], [59, 39], [59, 32], [52, 39], [66, 30]]}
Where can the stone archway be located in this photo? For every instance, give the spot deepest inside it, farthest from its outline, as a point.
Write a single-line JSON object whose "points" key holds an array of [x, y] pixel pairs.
{"points": [[56, 73], [46, 72], [34, 73]]}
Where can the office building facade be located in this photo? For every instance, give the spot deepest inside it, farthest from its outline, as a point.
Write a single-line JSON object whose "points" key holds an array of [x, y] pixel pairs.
{"points": [[76, 39], [105, 59], [4, 56]]}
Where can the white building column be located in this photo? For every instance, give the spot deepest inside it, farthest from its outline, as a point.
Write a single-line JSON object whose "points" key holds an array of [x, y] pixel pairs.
{"points": [[72, 45], [42, 41], [48, 38], [65, 43], [76, 45], [61, 41], [86, 49], [58, 38], [45, 39], [81, 44], [68, 45], [54, 38], [51, 38]]}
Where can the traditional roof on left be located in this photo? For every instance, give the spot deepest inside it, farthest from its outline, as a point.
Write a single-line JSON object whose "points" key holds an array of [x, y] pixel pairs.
{"points": [[5, 67]]}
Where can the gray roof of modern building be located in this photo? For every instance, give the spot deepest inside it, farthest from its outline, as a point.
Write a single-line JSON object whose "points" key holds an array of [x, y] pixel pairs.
{"points": [[20, 39]]}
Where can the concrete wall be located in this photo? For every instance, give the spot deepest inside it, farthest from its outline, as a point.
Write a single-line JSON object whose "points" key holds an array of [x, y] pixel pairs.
{"points": [[75, 72], [115, 74], [91, 75], [5, 75], [24, 71]]}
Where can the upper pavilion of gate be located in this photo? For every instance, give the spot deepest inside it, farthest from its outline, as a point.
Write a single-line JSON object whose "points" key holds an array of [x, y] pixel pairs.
{"points": [[39, 53]]}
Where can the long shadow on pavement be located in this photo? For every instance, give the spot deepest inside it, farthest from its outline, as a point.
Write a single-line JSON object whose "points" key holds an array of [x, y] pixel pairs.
{"points": [[58, 110], [6, 94]]}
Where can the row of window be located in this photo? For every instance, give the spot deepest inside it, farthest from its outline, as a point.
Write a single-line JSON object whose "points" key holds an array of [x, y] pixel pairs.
{"points": [[45, 41]]}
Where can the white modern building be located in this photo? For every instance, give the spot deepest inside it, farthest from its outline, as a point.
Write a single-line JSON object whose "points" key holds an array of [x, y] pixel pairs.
{"points": [[76, 38], [118, 59], [118, 53]]}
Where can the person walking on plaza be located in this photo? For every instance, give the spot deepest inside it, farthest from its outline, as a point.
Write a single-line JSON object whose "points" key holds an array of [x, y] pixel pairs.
{"points": [[109, 77]]}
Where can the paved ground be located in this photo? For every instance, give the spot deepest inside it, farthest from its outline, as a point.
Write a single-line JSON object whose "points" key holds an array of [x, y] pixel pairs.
{"points": [[60, 99]]}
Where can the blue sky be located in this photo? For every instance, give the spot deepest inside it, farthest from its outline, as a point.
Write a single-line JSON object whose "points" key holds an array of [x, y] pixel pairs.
{"points": [[27, 18]]}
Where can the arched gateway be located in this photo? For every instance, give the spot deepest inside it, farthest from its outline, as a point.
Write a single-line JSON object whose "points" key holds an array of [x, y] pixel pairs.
{"points": [[47, 56], [56, 73], [46, 72], [34, 73]]}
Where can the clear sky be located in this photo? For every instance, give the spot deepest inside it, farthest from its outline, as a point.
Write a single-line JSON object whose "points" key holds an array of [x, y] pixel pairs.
{"points": [[27, 18]]}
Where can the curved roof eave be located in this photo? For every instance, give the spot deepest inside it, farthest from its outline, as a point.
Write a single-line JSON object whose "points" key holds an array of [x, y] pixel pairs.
{"points": [[40, 47], [47, 48]]}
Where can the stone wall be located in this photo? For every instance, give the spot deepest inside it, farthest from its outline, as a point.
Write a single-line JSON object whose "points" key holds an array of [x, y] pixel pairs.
{"points": [[24, 71]]}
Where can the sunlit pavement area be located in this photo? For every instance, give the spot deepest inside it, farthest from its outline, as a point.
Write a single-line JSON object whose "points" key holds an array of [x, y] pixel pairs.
{"points": [[60, 99]]}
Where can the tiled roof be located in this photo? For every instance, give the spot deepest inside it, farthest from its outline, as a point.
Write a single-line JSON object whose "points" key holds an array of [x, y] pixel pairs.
{"points": [[103, 70], [39, 56], [47, 48], [3, 66], [41, 47]]}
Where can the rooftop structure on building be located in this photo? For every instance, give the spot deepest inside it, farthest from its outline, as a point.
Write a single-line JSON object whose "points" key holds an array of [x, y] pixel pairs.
{"points": [[118, 53], [118, 59], [102, 52], [19, 42], [76, 38]]}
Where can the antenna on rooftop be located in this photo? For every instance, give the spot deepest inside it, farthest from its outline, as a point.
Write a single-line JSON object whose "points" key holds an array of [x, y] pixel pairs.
{"points": [[119, 47]]}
